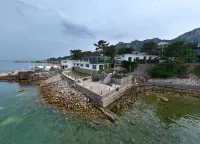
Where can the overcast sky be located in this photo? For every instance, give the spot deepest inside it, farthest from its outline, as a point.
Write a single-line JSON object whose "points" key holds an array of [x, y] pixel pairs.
{"points": [[38, 29]]}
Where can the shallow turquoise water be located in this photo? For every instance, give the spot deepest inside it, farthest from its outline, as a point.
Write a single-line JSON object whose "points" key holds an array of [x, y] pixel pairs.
{"points": [[24, 120]]}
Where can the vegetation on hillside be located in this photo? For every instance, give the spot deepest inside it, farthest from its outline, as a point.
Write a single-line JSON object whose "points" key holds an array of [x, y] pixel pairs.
{"points": [[176, 56], [125, 50], [149, 48], [57, 60], [129, 66]]}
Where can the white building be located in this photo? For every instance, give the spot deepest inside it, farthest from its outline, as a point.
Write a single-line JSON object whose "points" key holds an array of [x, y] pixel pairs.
{"points": [[135, 57], [67, 64], [162, 45], [92, 63]]}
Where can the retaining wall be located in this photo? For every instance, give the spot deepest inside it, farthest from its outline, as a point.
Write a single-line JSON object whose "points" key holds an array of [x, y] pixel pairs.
{"points": [[143, 69], [123, 81], [87, 71]]}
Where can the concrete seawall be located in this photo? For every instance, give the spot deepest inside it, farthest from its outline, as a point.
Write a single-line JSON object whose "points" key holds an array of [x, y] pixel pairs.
{"points": [[110, 97], [97, 99]]}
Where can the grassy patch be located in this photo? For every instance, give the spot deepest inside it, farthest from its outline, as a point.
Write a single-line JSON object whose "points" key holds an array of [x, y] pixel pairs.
{"points": [[77, 75], [197, 71]]}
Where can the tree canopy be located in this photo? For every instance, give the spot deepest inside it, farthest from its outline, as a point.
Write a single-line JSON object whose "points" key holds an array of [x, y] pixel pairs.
{"points": [[76, 54], [57, 60], [179, 52], [149, 47], [111, 52], [125, 50], [176, 56], [101, 46]]}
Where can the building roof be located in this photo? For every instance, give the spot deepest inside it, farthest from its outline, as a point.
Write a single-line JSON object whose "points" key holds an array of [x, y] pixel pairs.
{"points": [[162, 43]]}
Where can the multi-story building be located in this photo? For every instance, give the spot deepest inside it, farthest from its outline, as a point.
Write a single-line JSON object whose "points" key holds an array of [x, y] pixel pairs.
{"points": [[160, 47], [92, 63], [135, 57], [67, 64]]}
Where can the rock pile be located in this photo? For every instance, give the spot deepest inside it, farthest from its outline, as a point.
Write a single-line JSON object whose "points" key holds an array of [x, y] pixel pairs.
{"points": [[25, 75], [57, 91]]}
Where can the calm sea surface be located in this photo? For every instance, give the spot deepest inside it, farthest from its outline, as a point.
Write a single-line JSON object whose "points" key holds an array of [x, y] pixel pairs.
{"points": [[24, 120], [6, 66]]}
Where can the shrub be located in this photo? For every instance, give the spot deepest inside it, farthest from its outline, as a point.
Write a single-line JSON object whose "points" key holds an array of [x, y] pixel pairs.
{"points": [[129, 66], [167, 70], [197, 71]]}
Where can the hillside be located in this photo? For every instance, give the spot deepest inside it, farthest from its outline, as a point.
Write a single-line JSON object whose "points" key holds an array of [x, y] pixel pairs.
{"points": [[191, 36]]}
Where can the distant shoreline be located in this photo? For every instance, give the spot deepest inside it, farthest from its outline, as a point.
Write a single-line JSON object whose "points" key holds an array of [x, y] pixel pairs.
{"points": [[30, 61]]}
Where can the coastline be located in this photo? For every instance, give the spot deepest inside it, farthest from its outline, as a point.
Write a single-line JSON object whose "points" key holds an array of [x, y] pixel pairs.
{"points": [[58, 92]]}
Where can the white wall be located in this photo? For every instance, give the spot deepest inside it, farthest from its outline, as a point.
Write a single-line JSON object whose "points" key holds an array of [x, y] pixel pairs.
{"points": [[84, 65], [68, 63], [134, 56]]}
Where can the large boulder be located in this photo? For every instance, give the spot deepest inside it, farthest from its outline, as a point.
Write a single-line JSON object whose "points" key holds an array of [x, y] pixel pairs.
{"points": [[25, 75], [108, 79], [95, 76]]}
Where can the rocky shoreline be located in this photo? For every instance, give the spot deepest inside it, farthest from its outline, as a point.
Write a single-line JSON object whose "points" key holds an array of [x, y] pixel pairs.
{"points": [[57, 92], [17, 75]]}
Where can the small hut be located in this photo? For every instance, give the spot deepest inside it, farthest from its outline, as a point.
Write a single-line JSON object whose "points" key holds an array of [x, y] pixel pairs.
{"points": [[119, 71]]}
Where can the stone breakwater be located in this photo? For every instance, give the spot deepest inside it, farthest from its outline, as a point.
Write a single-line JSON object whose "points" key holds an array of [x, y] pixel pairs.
{"points": [[25, 75], [189, 81], [56, 91]]}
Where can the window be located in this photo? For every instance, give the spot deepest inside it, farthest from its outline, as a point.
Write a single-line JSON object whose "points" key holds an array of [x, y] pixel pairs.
{"points": [[74, 64], [100, 60], [137, 58], [93, 60], [129, 58], [82, 65], [122, 55], [77, 64], [86, 65], [94, 67], [149, 58]]}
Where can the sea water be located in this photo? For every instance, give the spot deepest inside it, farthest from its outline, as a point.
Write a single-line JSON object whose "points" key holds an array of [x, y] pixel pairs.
{"points": [[25, 120]]}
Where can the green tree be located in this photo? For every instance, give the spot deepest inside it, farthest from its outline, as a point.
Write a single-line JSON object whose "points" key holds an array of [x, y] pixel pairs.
{"points": [[125, 50], [179, 52], [176, 55], [111, 52], [101, 46], [76, 54], [149, 47]]}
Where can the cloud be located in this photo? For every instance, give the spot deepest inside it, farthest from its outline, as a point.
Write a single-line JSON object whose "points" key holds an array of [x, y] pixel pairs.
{"points": [[73, 29], [40, 29]]}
